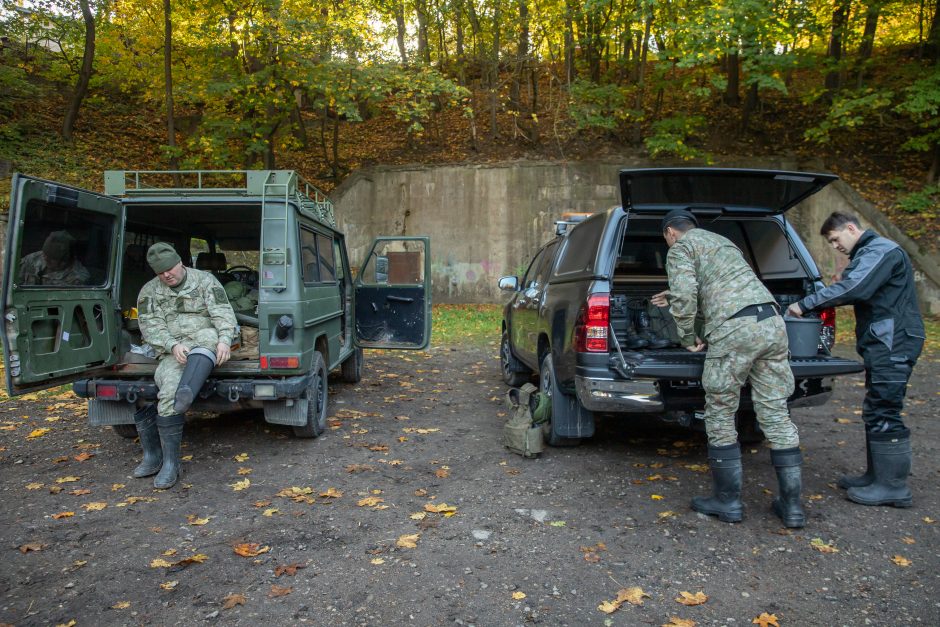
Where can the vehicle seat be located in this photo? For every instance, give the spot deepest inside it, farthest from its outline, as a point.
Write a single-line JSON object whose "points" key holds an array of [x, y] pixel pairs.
{"points": [[135, 273], [211, 262]]}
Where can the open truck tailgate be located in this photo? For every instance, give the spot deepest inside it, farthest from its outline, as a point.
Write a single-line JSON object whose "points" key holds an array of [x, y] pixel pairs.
{"points": [[684, 367]]}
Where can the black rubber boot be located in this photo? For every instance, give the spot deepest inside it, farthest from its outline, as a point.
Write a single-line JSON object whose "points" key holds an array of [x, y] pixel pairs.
{"points": [[864, 479], [645, 331], [634, 341], [788, 463], [199, 363], [171, 440], [146, 421], [891, 460], [727, 473]]}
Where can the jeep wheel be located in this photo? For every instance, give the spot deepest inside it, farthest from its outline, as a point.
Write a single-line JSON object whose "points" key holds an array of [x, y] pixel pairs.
{"points": [[351, 369], [125, 431], [549, 385], [316, 395], [514, 373]]}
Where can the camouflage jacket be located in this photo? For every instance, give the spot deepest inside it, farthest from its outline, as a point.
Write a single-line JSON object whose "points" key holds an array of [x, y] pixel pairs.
{"points": [[708, 275], [167, 316], [33, 271]]}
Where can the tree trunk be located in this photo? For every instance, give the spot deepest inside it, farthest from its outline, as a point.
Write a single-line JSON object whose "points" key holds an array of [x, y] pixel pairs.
{"points": [[933, 34], [641, 75], [750, 105], [460, 60], [494, 77], [732, 94], [84, 75], [168, 82], [867, 44], [522, 53], [400, 25], [424, 51], [840, 19], [569, 42]]}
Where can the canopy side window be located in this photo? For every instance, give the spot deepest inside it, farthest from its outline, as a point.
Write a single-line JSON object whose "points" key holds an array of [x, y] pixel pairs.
{"points": [[63, 246]]}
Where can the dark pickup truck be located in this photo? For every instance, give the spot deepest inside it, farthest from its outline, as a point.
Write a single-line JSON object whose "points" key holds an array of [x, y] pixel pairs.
{"points": [[562, 321]]}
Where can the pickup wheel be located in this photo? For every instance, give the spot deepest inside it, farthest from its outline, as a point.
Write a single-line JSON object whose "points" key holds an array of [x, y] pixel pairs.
{"points": [[749, 431], [351, 369], [125, 431], [514, 372], [549, 385], [316, 395]]}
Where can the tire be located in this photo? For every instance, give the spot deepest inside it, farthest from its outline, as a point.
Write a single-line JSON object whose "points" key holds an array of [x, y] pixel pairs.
{"points": [[125, 431], [316, 395], [549, 385], [513, 371], [351, 369], [749, 431]]}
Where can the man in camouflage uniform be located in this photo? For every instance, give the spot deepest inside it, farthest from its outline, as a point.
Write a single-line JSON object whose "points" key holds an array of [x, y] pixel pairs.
{"points": [[185, 315], [54, 263], [746, 340]]}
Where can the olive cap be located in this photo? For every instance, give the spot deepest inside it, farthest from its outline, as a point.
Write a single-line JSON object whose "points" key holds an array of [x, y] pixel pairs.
{"points": [[678, 214], [162, 257]]}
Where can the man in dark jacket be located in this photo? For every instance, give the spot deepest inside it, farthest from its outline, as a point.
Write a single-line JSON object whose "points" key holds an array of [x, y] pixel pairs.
{"points": [[879, 282]]}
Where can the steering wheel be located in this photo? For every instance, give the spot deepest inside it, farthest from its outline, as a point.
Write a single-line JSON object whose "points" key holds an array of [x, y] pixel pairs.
{"points": [[236, 268]]}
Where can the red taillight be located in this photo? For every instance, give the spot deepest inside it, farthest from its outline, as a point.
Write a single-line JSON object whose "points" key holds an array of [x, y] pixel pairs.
{"points": [[590, 331], [827, 334], [279, 362], [106, 391]]}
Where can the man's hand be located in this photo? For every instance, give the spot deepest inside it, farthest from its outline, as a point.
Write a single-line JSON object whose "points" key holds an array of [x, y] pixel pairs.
{"points": [[222, 353], [795, 310], [661, 299], [698, 347], [180, 352]]}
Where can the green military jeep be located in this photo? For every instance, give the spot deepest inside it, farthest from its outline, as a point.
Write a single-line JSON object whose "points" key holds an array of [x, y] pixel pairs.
{"points": [[76, 260]]}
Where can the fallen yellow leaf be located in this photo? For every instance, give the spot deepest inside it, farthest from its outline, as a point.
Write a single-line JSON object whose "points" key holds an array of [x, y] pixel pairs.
{"points": [[408, 541], [675, 621], [418, 516], [686, 598], [121, 605], [33, 486], [370, 501], [244, 471], [901, 561], [766, 620], [63, 515], [160, 563], [195, 520], [95, 507], [169, 585], [632, 595], [68, 479], [656, 497], [518, 596], [822, 546], [270, 512], [278, 591], [250, 549], [38, 433], [242, 457], [441, 508], [232, 600], [908, 540], [332, 493], [377, 561], [240, 485]]}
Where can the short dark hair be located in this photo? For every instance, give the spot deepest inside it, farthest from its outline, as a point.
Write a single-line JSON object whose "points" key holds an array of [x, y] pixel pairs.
{"points": [[681, 224], [837, 221]]}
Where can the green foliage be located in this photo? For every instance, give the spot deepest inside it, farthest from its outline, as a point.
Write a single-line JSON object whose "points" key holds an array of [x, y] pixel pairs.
{"points": [[414, 95], [849, 112], [465, 324], [921, 103], [671, 135], [924, 202], [599, 107]]}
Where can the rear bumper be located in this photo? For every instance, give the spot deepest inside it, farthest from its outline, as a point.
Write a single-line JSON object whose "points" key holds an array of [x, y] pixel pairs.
{"points": [[232, 390], [640, 396]]}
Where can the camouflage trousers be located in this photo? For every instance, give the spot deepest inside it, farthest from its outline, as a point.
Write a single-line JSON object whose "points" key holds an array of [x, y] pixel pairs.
{"points": [[169, 371], [741, 350]]}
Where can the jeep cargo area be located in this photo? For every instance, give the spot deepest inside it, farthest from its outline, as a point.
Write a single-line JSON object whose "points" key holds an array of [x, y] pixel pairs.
{"points": [[270, 239], [581, 315]]}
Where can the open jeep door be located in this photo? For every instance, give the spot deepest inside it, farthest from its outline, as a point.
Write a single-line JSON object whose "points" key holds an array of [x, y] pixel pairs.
{"points": [[393, 294], [60, 320]]}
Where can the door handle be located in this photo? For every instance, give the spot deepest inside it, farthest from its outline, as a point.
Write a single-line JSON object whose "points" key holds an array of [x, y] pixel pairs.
{"points": [[400, 299]]}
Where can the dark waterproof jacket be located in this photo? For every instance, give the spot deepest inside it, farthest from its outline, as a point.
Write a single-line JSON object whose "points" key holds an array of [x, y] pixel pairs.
{"points": [[879, 282]]}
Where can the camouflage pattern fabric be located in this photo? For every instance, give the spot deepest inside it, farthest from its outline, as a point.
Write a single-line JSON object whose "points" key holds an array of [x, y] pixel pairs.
{"points": [[708, 275], [196, 313], [742, 349], [35, 271]]}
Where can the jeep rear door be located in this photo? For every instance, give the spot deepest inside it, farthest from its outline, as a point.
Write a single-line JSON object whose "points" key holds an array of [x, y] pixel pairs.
{"points": [[58, 297], [392, 294]]}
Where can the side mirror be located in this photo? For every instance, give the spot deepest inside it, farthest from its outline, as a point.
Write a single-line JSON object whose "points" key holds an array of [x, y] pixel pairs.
{"points": [[509, 283]]}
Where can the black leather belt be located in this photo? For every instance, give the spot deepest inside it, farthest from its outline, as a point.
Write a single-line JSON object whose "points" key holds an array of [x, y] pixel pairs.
{"points": [[762, 311]]}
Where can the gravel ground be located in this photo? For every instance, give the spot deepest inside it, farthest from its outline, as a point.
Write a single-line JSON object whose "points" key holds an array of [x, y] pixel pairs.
{"points": [[408, 510]]}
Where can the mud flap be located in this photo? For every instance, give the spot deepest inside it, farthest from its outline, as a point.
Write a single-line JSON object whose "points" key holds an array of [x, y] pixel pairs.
{"points": [[107, 413], [570, 419], [280, 413]]}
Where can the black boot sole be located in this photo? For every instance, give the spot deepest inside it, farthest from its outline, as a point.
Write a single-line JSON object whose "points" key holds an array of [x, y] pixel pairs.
{"points": [[792, 522], [899, 503], [723, 516]]}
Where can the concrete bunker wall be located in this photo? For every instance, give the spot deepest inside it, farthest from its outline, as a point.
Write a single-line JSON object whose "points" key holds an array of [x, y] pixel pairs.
{"points": [[486, 221]]}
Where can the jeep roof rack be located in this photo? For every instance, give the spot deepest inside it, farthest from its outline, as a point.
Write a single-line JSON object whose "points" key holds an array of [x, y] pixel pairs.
{"points": [[274, 184]]}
